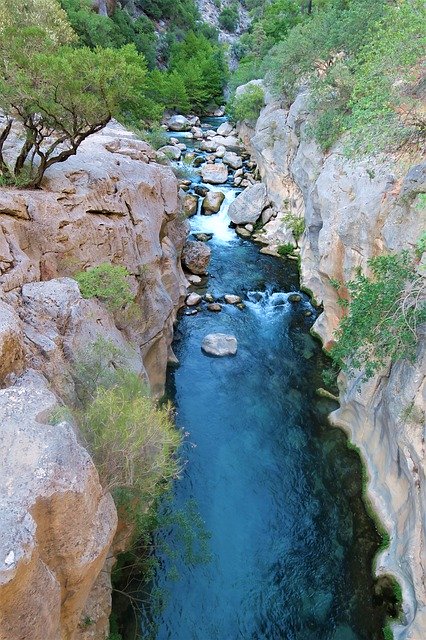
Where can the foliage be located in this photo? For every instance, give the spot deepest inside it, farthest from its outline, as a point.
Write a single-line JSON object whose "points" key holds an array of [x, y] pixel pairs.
{"points": [[130, 438], [107, 282], [59, 95], [285, 249], [383, 312], [295, 223], [156, 137], [247, 105], [44, 14], [229, 17]]}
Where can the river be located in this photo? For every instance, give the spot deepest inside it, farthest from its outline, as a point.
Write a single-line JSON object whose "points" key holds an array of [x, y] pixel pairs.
{"points": [[267, 537]]}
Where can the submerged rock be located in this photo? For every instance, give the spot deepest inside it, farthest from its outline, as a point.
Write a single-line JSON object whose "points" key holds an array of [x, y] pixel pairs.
{"points": [[215, 307], [232, 299], [190, 204], [196, 257], [212, 202], [219, 344], [203, 237]]}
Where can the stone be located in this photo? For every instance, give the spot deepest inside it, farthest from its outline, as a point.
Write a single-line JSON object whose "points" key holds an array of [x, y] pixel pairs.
{"points": [[414, 182], [194, 121], [193, 299], [181, 146], [229, 142], [197, 133], [220, 151], [208, 146], [198, 161], [212, 202], [215, 173], [248, 205], [219, 344], [179, 123], [249, 227], [233, 160], [294, 297], [196, 257], [203, 237], [174, 140], [267, 214], [190, 204], [13, 205], [239, 173], [242, 231], [225, 129], [209, 297], [241, 306], [11, 342], [232, 299], [201, 190], [219, 112], [170, 151], [193, 279], [215, 307]]}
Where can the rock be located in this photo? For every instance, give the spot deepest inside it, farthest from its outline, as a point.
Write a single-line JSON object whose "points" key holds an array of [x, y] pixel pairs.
{"points": [[198, 161], [225, 129], [267, 214], [11, 342], [193, 299], [197, 132], [229, 142], [181, 146], [241, 306], [220, 151], [248, 205], [193, 279], [200, 190], [219, 112], [215, 307], [239, 173], [414, 182], [208, 297], [196, 257], [232, 299], [179, 123], [191, 312], [208, 146], [233, 160], [174, 140], [212, 202], [237, 182], [215, 173], [242, 231], [323, 393], [203, 237], [245, 183], [219, 344], [294, 297], [13, 205], [190, 204], [249, 227], [170, 151]]}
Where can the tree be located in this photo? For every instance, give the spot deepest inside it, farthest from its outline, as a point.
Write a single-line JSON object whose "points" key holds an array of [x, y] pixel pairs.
{"points": [[59, 96], [45, 14]]}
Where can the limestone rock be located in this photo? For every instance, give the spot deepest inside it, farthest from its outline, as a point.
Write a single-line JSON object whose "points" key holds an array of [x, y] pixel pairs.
{"points": [[232, 299], [196, 257], [171, 151], [193, 299], [225, 129], [179, 123], [219, 344], [212, 202], [11, 342], [215, 307], [248, 205], [190, 204], [13, 205], [233, 160], [215, 173]]}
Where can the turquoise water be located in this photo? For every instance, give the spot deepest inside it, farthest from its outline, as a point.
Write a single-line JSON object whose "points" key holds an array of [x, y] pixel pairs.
{"points": [[283, 542]]}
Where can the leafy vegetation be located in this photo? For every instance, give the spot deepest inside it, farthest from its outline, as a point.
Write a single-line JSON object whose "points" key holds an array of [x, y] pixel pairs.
{"points": [[108, 283], [383, 312], [285, 249], [295, 223], [247, 105], [362, 59], [229, 17]]}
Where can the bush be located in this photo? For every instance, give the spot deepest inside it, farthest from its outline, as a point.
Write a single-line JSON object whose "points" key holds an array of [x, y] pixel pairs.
{"points": [[383, 312], [285, 249], [248, 104], [130, 438], [229, 18], [296, 224], [108, 283]]}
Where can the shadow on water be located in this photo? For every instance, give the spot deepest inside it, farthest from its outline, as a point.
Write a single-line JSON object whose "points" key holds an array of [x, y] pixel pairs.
{"points": [[266, 536]]}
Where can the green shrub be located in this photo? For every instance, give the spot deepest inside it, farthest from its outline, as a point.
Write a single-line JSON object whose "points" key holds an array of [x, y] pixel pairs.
{"points": [[108, 283], [383, 312], [130, 438], [248, 104], [229, 18], [285, 249], [156, 137], [296, 224]]}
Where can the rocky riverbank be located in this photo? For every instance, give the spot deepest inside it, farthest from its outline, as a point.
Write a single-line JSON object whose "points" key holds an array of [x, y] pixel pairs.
{"points": [[350, 212]]}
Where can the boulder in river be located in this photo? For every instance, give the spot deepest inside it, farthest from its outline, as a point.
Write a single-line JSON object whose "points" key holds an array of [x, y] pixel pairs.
{"points": [[193, 299], [215, 174], [171, 151], [215, 307], [230, 142], [209, 146], [193, 279], [232, 299], [200, 190], [203, 237], [225, 129], [212, 202], [179, 123], [190, 204], [220, 151], [248, 205], [233, 160], [196, 257], [219, 344]]}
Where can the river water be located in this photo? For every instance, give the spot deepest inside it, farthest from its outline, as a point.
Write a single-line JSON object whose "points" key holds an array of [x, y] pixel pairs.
{"points": [[266, 535]]}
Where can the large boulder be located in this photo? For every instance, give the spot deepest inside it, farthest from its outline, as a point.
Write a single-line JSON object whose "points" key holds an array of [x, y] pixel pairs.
{"points": [[196, 257], [179, 123], [190, 204], [230, 142], [225, 129], [233, 160], [219, 344], [248, 206], [171, 151], [212, 202], [215, 173]]}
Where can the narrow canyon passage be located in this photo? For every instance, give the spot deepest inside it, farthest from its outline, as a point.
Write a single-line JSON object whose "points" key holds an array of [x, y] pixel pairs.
{"points": [[285, 547]]}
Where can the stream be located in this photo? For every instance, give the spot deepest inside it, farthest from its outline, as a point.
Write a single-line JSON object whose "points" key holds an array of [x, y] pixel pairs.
{"points": [[266, 534]]}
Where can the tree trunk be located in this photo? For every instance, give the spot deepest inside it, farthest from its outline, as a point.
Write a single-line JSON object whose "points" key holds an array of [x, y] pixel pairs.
{"points": [[4, 169]]}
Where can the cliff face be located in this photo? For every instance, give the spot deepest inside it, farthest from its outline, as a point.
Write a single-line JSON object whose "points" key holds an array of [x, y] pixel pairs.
{"points": [[354, 210], [110, 203]]}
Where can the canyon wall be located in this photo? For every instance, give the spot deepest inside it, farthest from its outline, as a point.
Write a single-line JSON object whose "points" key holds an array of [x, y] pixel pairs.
{"points": [[354, 210], [111, 203]]}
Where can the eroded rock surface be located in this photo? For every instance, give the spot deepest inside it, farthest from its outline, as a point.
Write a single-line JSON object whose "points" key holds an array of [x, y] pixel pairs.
{"points": [[354, 210]]}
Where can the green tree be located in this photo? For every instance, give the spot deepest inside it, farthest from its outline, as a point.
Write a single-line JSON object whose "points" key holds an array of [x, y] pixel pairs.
{"points": [[45, 14], [60, 96]]}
